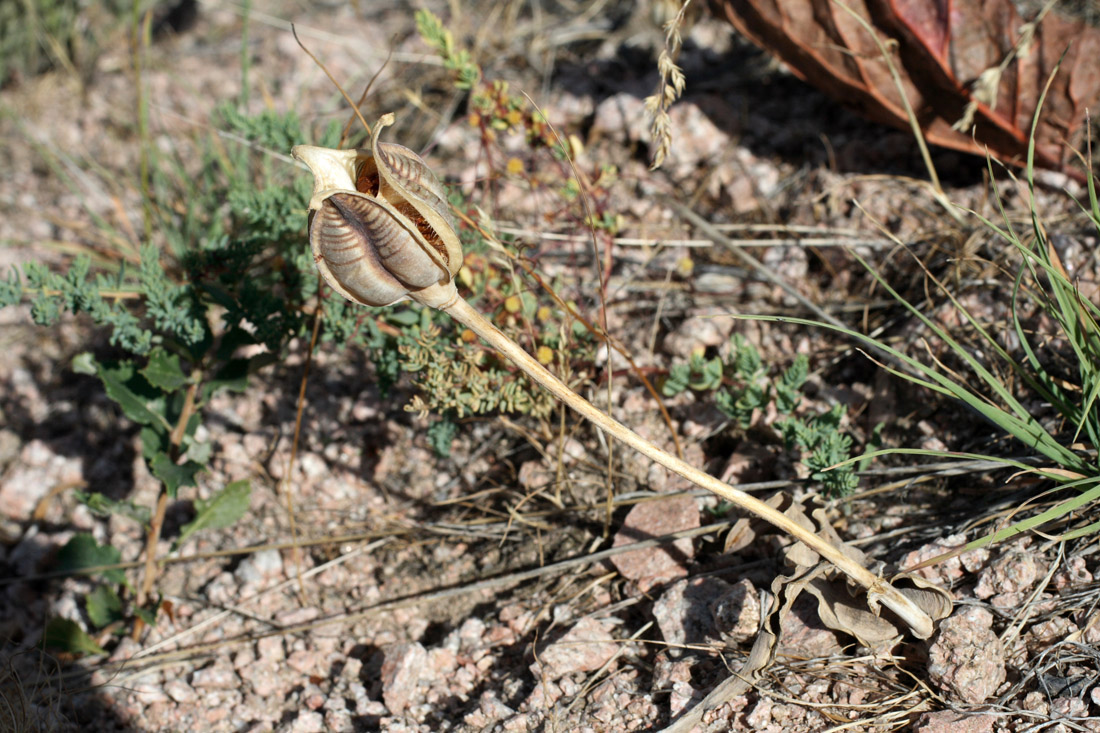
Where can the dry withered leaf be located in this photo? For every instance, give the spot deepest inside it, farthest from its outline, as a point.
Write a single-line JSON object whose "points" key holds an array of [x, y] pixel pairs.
{"points": [[840, 606], [972, 70]]}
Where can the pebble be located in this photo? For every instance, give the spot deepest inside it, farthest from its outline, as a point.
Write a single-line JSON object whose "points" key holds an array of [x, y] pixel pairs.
{"points": [[584, 648], [180, 691], [683, 612], [308, 722], [219, 676], [653, 566], [948, 721], [271, 649], [401, 673], [966, 659], [737, 612]]}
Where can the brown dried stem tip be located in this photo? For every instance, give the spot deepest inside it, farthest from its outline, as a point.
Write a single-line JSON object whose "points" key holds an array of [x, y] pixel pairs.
{"points": [[381, 231]]}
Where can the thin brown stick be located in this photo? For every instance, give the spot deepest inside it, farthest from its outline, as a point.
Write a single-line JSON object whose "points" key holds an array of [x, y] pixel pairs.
{"points": [[175, 441], [296, 553], [362, 98], [151, 552], [331, 78]]}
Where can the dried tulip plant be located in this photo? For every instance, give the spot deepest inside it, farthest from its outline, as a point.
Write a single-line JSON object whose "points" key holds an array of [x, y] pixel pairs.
{"points": [[381, 232]]}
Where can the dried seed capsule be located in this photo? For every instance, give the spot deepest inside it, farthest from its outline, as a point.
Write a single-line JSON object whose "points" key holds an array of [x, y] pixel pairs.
{"points": [[381, 230]]}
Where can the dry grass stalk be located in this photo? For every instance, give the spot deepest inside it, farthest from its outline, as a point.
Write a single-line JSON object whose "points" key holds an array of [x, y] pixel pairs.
{"points": [[669, 89]]}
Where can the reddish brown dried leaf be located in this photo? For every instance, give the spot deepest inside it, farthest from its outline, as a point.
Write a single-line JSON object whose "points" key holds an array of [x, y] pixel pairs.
{"points": [[955, 60]]}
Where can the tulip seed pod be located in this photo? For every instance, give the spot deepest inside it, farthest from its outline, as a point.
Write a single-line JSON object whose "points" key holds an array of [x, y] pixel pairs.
{"points": [[380, 226]]}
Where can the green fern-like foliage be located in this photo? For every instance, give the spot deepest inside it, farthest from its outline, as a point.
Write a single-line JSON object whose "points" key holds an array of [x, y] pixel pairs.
{"points": [[458, 60], [464, 379], [742, 390]]}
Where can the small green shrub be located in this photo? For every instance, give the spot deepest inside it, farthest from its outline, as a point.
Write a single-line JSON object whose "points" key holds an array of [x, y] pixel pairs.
{"points": [[742, 389], [233, 271]]}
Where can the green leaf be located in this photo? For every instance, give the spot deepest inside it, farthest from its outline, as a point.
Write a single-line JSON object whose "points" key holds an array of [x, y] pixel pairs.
{"points": [[149, 616], [84, 363], [65, 635], [153, 441], [677, 381], [138, 399], [163, 371], [220, 511], [103, 606], [103, 506], [82, 552], [172, 474], [233, 376]]}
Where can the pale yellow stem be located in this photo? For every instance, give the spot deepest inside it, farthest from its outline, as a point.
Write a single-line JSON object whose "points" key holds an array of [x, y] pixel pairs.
{"points": [[878, 590]]}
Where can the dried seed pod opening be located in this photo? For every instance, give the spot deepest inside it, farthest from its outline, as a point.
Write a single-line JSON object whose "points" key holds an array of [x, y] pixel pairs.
{"points": [[405, 176], [367, 179], [380, 229], [343, 234]]}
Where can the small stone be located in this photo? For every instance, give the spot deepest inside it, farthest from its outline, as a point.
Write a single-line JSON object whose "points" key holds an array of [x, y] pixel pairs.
{"points": [[737, 612], [674, 676], [1074, 573], [339, 721], [37, 470], [584, 648], [308, 722], [266, 678], [312, 466], [401, 674], [271, 648], [710, 327], [1014, 572], [652, 566], [684, 611], [947, 721], [966, 659], [313, 697], [352, 668], [803, 635], [305, 661], [260, 566], [180, 691], [951, 570], [1069, 706], [219, 676], [297, 616]]}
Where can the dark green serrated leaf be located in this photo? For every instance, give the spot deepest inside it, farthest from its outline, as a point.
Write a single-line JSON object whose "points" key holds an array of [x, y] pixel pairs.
{"points": [[137, 398], [163, 371], [172, 474], [82, 552], [154, 440], [103, 606], [220, 511], [149, 616], [64, 635], [233, 376]]}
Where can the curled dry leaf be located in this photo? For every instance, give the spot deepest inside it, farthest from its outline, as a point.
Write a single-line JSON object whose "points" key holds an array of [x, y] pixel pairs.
{"points": [[972, 70], [839, 605]]}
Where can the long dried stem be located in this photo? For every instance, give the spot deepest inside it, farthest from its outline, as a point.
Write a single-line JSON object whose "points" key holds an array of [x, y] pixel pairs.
{"points": [[878, 590]]}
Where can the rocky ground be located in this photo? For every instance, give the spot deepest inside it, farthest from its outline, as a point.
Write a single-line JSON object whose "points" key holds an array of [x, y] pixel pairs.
{"points": [[414, 592]]}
